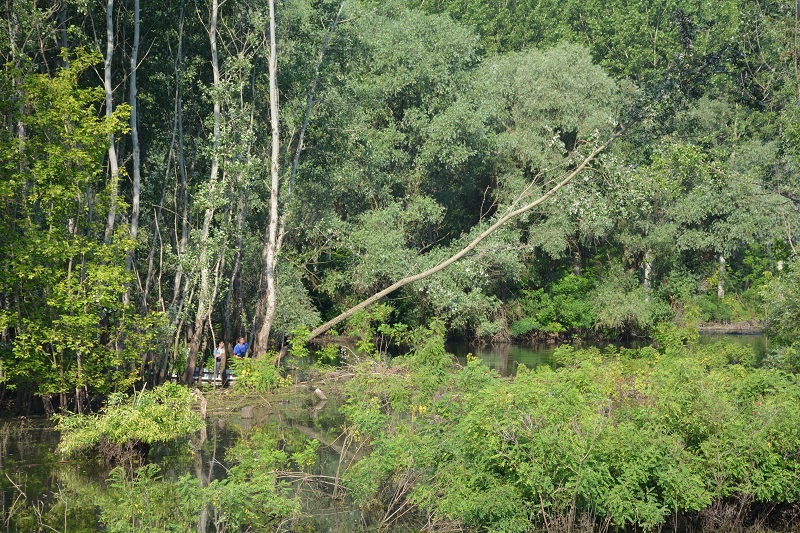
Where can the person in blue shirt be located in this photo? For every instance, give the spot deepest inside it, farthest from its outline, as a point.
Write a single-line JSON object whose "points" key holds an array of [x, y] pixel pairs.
{"points": [[240, 350]]}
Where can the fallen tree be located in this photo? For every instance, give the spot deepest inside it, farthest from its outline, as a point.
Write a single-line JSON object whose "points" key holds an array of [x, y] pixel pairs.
{"points": [[512, 212]]}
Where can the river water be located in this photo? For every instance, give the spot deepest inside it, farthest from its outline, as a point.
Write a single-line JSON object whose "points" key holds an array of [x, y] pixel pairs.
{"points": [[40, 491], [505, 358]]}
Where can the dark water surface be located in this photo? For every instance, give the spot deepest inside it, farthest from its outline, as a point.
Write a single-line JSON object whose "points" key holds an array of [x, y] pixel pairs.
{"points": [[505, 358], [41, 491]]}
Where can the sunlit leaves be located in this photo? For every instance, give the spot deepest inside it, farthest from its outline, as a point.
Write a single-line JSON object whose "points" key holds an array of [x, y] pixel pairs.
{"points": [[632, 438], [149, 416], [71, 327]]}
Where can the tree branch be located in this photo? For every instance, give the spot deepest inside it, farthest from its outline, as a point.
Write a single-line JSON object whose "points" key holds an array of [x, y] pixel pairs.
{"points": [[512, 213]]}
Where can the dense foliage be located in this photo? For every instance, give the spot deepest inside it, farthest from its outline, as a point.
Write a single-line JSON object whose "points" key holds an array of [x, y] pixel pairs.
{"points": [[135, 175], [160, 415], [683, 434], [679, 436]]}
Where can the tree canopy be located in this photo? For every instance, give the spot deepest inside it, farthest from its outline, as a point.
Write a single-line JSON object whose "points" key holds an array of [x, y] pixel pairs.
{"points": [[404, 130]]}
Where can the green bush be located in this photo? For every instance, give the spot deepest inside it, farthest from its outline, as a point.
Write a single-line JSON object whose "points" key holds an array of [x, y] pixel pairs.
{"points": [[781, 296], [786, 358], [732, 308], [149, 416], [259, 374], [615, 304], [623, 305], [561, 307], [326, 356], [627, 438]]}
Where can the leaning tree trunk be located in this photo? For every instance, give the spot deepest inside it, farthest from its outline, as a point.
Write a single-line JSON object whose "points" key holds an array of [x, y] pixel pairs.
{"points": [[510, 214]]}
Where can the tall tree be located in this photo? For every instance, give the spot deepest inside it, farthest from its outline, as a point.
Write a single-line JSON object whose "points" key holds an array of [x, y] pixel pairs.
{"points": [[113, 164], [133, 100], [205, 294], [270, 253]]}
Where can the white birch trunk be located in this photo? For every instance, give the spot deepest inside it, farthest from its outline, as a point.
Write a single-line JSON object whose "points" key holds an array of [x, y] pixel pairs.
{"points": [[271, 248], [133, 100], [648, 269], [112, 151], [265, 311]]}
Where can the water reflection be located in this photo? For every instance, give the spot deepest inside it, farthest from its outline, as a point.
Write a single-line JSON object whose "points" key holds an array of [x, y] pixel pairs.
{"points": [[759, 344], [506, 358], [194, 486]]}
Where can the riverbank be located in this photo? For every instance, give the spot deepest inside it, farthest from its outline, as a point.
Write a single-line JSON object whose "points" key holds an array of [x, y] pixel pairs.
{"points": [[748, 327], [394, 444]]}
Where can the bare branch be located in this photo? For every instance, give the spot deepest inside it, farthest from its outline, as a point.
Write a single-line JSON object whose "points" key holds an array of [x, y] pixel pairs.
{"points": [[510, 214]]}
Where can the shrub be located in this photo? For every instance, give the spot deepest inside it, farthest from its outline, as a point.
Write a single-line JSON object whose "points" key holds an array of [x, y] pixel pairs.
{"points": [[786, 358], [259, 374], [781, 296], [623, 438], [162, 415], [563, 306], [623, 305]]}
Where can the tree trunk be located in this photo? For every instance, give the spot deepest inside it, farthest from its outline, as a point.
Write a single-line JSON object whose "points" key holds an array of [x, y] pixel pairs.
{"points": [[132, 100], [271, 246], [233, 299], [78, 388], [265, 308], [301, 138], [183, 194], [721, 278], [648, 269], [202, 311], [577, 260], [112, 151], [62, 31], [204, 295], [157, 240], [510, 214], [170, 159]]}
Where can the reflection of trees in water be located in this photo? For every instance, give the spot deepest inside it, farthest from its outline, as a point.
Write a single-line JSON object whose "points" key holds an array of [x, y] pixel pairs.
{"points": [[505, 358], [500, 354], [259, 473]]}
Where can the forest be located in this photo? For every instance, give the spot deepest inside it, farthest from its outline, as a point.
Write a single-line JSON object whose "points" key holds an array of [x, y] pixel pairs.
{"points": [[377, 178], [162, 191]]}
